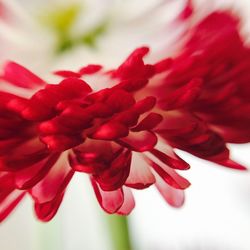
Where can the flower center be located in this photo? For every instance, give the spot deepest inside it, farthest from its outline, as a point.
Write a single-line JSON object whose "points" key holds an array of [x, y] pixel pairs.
{"points": [[61, 21]]}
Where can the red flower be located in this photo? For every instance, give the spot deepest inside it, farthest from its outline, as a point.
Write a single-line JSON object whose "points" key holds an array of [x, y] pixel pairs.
{"points": [[68, 128], [205, 92], [47, 137]]}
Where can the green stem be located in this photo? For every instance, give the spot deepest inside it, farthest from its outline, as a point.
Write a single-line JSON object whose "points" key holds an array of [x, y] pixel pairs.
{"points": [[119, 232]]}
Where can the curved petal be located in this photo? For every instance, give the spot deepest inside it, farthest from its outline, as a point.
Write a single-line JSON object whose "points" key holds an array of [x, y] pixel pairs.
{"points": [[110, 201], [149, 122], [46, 211], [9, 203], [28, 177], [140, 175], [20, 76], [170, 158], [110, 131], [170, 176], [139, 141], [174, 197], [128, 204], [54, 183]]}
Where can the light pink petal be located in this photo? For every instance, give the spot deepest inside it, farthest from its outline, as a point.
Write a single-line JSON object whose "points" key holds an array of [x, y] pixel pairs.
{"points": [[139, 141], [174, 197], [28, 177], [140, 175], [54, 183], [9, 203], [110, 201], [128, 204], [170, 176]]}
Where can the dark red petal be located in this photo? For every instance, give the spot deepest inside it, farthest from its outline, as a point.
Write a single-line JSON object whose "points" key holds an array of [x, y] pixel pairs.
{"points": [[120, 100], [110, 201], [6, 181], [174, 197], [127, 117], [171, 159], [40, 106], [46, 211], [170, 176], [231, 164], [145, 104], [149, 122], [183, 96], [19, 162], [20, 76], [115, 176], [110, 131], [139, 141], [7, 145], [61, 143], [131, 84]]}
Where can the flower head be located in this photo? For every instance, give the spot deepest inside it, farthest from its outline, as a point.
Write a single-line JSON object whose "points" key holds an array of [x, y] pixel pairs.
{"points": [[101, 122]]}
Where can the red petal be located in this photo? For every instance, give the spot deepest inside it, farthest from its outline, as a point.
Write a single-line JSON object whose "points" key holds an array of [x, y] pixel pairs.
{"points": [[163, 65], [67, 73], [170, 176], [60, 143], [149, 122], [128, 204], [134, 67], [9, 203], [183, 96], [174, 197], [120, 100], [187, 11], [131, 84], [54, 183], [127, 117], [20, 76], [117, 173], [90, 69], [231, 164], [110, 201], [145, 104], [46, 211], [140, 175], [110, 131], [28, 177], [73, 87], [172, 160], [139, 141]]}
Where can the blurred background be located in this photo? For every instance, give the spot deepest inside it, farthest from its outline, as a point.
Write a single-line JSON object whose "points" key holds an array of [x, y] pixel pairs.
{"points": [[48, 35]]}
